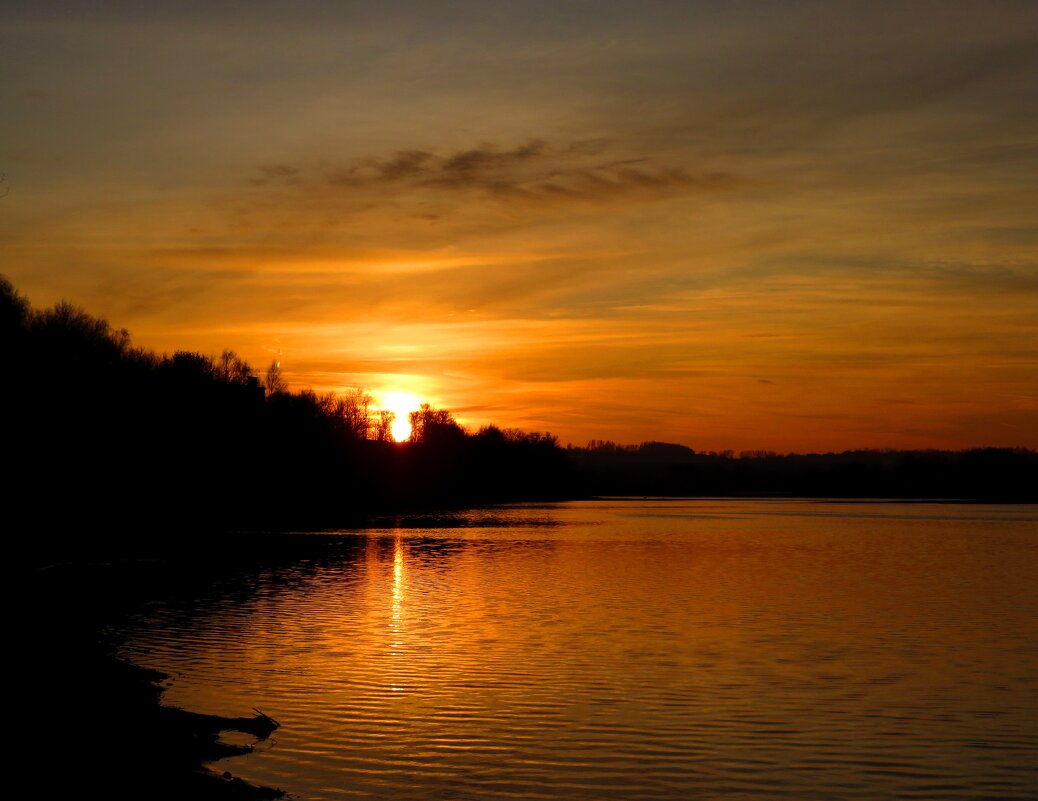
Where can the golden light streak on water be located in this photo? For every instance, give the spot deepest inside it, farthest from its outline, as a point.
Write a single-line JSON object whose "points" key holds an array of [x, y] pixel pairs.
{"points": [[398, 591]]}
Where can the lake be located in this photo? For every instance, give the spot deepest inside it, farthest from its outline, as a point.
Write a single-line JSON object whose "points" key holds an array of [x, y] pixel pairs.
{"points": [[632, 649]]}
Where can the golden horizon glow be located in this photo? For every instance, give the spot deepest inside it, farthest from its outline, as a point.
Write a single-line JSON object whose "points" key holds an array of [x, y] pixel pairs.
{"points": [[665, 229]]}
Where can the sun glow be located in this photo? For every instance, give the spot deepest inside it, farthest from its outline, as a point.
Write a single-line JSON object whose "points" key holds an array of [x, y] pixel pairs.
{"points": [[401, 404]]}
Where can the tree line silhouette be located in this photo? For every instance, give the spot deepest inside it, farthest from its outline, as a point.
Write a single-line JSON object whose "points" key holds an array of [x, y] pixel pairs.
{"points": [[97, 429], [665, 469]]}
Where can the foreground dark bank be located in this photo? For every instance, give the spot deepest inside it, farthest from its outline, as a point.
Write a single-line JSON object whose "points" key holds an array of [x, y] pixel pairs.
{"points": [[133, 747], [95, 724]]}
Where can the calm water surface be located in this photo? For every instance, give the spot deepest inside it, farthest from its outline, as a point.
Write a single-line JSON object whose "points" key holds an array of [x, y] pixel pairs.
{"points": [[634, 650]]}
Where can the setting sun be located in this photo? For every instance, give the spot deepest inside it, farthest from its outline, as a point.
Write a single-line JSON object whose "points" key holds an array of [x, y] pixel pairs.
{"points": [[401, 404], [401, 429]]}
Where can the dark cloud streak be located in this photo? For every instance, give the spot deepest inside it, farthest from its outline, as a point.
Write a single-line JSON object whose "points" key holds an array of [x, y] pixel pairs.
{"points": [[533, 172]]}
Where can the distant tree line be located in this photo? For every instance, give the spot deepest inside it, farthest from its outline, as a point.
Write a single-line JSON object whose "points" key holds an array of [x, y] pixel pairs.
{"points": [[664, 469]]}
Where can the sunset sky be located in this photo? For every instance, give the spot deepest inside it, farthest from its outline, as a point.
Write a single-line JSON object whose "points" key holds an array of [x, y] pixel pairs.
{"points": [[787, 226]]}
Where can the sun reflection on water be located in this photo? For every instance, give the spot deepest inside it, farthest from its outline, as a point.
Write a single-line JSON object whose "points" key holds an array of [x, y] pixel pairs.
{"points": [[397, 604], [398, 585]]}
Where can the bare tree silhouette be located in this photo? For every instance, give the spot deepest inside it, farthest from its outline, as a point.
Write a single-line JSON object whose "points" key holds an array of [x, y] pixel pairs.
{"points": [[273, 381]]}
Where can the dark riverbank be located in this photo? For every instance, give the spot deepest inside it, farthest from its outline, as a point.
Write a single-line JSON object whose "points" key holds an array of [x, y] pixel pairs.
{"points": [[96, 723], [127, 744]]}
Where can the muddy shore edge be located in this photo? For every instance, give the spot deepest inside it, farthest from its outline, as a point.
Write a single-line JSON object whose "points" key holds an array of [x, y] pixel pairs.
{"points": [[178, 743], [95, 722]]}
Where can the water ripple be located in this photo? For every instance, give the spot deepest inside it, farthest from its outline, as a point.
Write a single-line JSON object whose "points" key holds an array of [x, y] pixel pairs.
{"points": [[634, 650]]}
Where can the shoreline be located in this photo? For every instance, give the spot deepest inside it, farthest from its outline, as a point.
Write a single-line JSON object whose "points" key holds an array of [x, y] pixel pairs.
{"points": [[95, 721], [186, 740]]}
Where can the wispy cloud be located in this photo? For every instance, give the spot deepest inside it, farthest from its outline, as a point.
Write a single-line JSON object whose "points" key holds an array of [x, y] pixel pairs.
{"points": [[534, 172], [782, 225]]}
